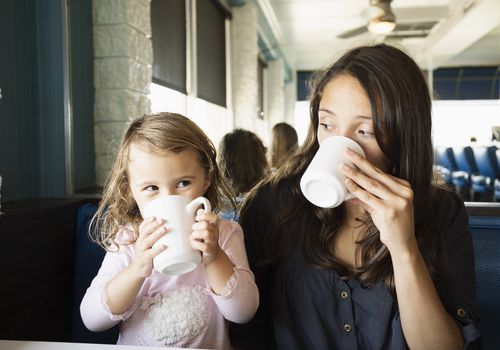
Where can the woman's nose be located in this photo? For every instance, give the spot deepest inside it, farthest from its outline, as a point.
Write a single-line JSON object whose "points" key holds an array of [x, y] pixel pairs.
{"points": [[345, 133]]}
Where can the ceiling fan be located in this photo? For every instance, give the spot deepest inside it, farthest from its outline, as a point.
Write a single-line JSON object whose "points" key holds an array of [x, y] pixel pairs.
{"points": [[380, 20]]}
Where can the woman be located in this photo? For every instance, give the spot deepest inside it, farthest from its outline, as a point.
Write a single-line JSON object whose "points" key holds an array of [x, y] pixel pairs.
{"points": [[392, 268]]}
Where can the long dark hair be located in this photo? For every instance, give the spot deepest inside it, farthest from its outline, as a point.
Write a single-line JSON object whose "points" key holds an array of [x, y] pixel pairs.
{"points": [[401, 114], [242, 159], [285, 140]]}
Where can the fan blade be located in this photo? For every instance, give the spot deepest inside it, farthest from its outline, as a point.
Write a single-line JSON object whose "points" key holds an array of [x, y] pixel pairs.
{"points": [[353, 32]]}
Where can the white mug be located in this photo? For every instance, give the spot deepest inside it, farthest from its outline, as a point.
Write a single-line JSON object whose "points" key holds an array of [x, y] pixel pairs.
{"points": [[179, 213], [323, 181]]}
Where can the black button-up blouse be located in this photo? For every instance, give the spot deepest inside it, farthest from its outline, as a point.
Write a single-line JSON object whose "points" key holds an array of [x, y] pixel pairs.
{"points": [[306, 307]]}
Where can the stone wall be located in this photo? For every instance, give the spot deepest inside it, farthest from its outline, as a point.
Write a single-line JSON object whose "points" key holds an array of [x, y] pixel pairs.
{"points": [[275, 93], [244, 51], [123, 57]]}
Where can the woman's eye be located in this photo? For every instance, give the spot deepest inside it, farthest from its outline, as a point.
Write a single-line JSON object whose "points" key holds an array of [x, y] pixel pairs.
{"points": [[151, 188], [365, 132], [326, 126], [183, 184]]}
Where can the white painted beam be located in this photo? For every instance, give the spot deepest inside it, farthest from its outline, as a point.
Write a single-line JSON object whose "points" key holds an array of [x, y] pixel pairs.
{"points": [[468, 21]]}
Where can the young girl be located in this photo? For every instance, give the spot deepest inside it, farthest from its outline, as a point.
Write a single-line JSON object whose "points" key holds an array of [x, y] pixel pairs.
{"points": [[167, 154], [392, 268]]}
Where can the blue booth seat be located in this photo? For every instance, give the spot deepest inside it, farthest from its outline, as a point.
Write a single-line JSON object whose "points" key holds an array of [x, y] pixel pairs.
{"points": [[445, 163], [88, 257], [488, 170], [496, 185], [485, 232], [464, 158]]}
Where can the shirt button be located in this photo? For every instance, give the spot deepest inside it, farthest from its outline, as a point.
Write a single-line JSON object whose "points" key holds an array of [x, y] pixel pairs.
{"points": [[347, 327], [343, 294]]}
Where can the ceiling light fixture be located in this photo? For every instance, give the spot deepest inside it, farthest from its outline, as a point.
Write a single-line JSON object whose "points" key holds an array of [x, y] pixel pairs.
{"points": [[385, 22]]}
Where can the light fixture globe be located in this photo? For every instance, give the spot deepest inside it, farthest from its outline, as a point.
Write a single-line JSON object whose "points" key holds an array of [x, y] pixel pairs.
{"points": [[381, 26], [383, 20]]}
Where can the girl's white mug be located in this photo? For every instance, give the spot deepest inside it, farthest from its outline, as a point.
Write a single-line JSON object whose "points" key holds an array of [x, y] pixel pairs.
{"points": [[179, 213], [323, 181]]}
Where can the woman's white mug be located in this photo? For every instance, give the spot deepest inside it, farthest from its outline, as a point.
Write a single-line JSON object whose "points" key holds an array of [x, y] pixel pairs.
{"points": [[179, 213], [323, 181]]}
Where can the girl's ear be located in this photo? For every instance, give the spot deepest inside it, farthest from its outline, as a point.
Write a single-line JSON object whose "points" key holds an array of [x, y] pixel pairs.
{"points": [[207, 184]]}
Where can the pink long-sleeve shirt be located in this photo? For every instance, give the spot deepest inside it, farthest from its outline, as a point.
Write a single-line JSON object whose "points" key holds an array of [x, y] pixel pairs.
{"points": [[176, 311]]}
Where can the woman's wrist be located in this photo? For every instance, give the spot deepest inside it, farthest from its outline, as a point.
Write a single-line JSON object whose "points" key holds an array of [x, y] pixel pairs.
{"points": [[405, 253]]}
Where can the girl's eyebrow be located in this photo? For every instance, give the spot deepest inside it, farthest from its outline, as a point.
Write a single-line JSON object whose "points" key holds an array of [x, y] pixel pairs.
{"points": [[144, 183], [185, 177]]}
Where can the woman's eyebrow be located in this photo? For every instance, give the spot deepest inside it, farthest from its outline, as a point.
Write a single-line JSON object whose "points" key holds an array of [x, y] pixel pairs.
{"points": [[364, 117], [326, 111]]}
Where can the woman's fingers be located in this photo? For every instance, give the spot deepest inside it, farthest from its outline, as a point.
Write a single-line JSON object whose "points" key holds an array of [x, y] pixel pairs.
{"points": [[372, 171], [368, 201], [371, 185], [373, 179]]}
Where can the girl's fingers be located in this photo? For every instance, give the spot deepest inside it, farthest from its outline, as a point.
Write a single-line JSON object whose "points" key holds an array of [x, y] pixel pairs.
{"points": [[154, 236], [149, 225], [201, 215], [202, 236], [201, 246], [157, 250]]}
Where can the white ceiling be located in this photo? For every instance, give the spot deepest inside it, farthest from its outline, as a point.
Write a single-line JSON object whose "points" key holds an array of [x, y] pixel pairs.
{"points": [[467, 32]]}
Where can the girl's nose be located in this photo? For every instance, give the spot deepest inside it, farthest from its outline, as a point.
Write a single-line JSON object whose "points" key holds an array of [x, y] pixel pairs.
{"points": [[169, 192]]}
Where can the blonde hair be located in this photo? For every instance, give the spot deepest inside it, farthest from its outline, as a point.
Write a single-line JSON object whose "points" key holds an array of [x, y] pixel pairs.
{"points": [[158, 133]]}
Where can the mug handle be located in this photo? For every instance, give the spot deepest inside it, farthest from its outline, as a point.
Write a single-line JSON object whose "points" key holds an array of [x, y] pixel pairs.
{"points": [[195, 203]]}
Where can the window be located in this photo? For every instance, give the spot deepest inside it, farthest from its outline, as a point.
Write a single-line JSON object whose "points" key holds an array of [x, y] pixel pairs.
{"points": [[168, 26], [211, 51]]}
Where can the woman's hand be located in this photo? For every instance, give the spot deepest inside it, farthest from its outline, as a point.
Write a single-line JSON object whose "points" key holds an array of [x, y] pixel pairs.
{"points": [[150, 230], [388, 200], [205, 236]]}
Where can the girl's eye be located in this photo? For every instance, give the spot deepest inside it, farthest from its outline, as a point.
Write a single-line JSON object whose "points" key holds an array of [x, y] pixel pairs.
{"points": [[183, 183], [151, 188]]}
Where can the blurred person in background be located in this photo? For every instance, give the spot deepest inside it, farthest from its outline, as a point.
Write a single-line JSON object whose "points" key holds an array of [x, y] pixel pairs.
{"points": [[242, 160], [284, 141]]}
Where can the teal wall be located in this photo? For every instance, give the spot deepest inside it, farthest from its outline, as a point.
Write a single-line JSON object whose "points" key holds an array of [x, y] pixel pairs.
{"points": [[19, 107], [32, 140], [51, 153], [82, 93]]}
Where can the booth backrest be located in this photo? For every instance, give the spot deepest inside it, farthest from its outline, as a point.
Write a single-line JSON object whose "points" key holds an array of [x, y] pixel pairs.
{"points": [[485, 232], [88, 257]]}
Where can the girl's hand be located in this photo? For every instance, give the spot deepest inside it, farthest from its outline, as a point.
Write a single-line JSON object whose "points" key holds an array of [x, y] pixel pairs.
{"points": [[150, 230], [388, 200], [205, 236]]}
